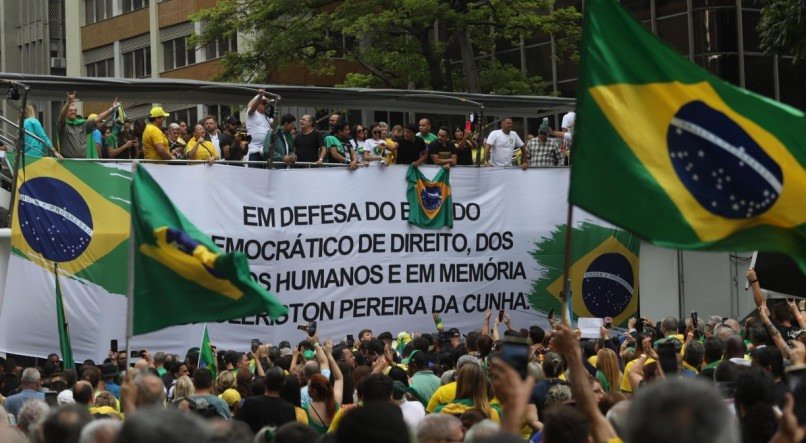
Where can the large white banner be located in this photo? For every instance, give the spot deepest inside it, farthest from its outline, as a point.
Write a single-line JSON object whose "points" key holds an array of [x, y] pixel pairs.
{"points": [[335, 246]]}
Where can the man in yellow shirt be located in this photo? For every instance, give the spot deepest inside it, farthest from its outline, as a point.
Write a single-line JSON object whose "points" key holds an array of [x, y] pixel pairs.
{"points": [[155, 143], [199, 148]]}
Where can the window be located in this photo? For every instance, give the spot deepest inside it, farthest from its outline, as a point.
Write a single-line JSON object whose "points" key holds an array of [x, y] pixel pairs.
{"points": [[103, 68], [137, 63], [189, 116], [220, 47], [178, 54], [97, 10], [133, 5], [219, 112]]}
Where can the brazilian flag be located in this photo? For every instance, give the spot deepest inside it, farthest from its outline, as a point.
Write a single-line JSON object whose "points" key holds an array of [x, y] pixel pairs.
{"points": [[180, 276], [430, 201], [603, 272], [76, 215], [689, 161]]}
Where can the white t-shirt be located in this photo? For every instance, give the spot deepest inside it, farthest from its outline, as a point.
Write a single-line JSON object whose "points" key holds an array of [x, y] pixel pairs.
{"points": [[257, 125], [568, 120], [413, 413], [375, 148], [502, 147]]}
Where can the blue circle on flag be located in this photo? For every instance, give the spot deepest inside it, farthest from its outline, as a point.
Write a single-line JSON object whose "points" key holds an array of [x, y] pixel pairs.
{"points": [[431, 197], [725, 170], [608, 284], [54, 219]]}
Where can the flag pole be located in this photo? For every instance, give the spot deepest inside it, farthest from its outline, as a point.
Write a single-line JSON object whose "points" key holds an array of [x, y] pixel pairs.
{"points": [[130, 291], [566, 292], [61, 317]]}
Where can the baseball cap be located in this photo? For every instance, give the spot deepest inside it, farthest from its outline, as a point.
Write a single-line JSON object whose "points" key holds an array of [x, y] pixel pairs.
{"points": [[230, 396], [454, 332], [158, 112], [233, 120]]}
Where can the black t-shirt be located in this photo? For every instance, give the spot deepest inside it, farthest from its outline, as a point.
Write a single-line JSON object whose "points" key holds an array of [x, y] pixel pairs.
{"points": [[409, 151], [307, 146], [263, 410], [463, 156], [225, 139], [442, 152]]}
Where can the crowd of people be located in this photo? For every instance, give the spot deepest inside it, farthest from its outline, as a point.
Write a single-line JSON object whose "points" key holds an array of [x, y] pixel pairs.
{"points": [[712, 379], [290, 141]]}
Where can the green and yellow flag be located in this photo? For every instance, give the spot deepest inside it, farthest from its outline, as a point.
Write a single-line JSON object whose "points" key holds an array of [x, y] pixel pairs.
{"points": [[690, 161], [603, 272], [430, 201], [75, 214], [180, 276]]}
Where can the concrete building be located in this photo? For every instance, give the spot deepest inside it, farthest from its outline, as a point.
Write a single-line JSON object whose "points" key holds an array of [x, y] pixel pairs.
{"points": [[32, 40], [141, 39]]}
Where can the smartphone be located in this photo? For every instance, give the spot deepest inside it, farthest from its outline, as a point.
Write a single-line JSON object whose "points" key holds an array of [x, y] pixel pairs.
{"points": [[136, 354], [667, 354], [515, 352], [255, 344], [113, 346], [50, 398], [551, 314], [607, 322], [639, 326], [350, 340], [500, 316]]}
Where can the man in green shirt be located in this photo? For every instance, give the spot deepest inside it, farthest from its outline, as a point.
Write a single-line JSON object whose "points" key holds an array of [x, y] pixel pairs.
{"points": [[279, 146], [423, 380], [425, 131], [338, 146]]}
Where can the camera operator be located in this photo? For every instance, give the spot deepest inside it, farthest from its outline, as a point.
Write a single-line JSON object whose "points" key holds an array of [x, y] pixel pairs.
{"points": [[234, 141]]}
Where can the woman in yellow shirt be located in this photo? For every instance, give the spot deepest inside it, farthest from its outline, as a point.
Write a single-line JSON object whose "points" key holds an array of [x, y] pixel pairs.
{"points": [[198, 148]]}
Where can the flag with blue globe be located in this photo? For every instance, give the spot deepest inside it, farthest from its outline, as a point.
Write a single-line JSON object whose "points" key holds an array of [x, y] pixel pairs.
{"points": [[603, 272]]}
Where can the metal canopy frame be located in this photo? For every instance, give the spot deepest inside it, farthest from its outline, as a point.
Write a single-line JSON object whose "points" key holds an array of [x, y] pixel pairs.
{"points": [[167, 90]]}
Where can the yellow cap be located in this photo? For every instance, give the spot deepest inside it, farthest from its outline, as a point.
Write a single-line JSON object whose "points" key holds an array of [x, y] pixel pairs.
{"points": [[230, 397], [92, 116], [158, 112]]}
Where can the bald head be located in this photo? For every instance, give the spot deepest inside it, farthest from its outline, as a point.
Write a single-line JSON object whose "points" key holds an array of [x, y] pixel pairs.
{"points": [[82, 392], [733, 324]]}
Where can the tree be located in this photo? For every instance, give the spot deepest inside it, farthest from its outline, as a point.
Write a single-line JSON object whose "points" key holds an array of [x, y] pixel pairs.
{"points": [[782, 27], [392, 40]]}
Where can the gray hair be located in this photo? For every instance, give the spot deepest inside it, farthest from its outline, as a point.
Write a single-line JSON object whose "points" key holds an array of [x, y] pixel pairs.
{"points": [[105, 429], [618, 415], [482, 430], [171, 126], [30, 375], [536, 371], [723, 332], [150, 390], [465, 359], [447, 377], [436, 427], [558, 394], [31, 415], [669, 401]]}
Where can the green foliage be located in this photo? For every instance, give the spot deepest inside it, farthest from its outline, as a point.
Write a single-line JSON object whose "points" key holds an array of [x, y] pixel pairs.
{"points": [[782, 27], [496, 78], [392, 40]]}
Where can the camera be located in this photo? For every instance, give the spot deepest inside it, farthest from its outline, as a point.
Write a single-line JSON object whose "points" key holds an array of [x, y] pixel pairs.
{"points": [[242, 135], [310, 328]]}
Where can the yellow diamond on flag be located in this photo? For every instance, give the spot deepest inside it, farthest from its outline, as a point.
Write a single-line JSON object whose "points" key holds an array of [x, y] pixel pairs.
{"points": [[604, 282]]}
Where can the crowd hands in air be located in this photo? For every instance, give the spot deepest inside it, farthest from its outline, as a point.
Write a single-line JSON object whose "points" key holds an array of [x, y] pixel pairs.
{"points": [[289, 142], [693, 380]]}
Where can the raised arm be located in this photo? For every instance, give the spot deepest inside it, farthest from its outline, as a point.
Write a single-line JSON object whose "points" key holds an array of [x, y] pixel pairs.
{"points": [[567, 344], [764, 313], [338, 377], [320, 354], [106, 113], [485, 327], [253, 104], [793, 307], [752, 279], [71, 98]]}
